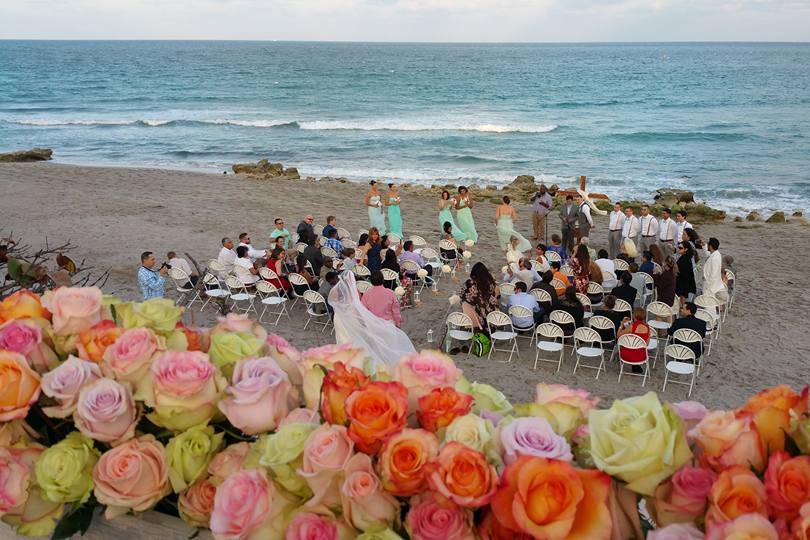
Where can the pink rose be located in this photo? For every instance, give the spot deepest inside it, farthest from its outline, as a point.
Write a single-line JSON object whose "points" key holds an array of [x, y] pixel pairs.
{"points": [[258, 398], [429, 520], [129, 357], [65, 382], [131, 476], [15, 477], [74, 309], [683, 497], [242, 504], [286, 356], [746, 526], [235, 322], [421, 372], [565, 408], [691, 412], [196, 503], [301, 416], [727, 439], [365, 505], [24, 336], [228, 462], [183, 389], [326, 453], [106, 411], [676, 531], [309, 526], [532, 436]]}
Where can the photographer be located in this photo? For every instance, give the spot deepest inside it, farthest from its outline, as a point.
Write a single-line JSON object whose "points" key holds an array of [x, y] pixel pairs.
{"points": [[151, 282]]}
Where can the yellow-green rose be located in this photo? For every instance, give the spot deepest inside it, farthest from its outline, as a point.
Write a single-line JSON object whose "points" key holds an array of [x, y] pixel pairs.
{"points": [[159, 314], [283, 454], [475, 432], [386, 534], [38, 517], [800, 431], [487, 398], [64, 472], [639, 441], [189, 453], [229, 347]]}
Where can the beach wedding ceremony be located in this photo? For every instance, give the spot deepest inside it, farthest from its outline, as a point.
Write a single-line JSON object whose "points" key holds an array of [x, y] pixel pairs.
{"points": [[405, 269]]}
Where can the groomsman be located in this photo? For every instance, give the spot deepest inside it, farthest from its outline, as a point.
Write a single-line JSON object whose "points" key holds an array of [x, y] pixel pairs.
{"points": [[568, 215], [585, 219], [632, 227], [615, 231], [667, 232], [680, 218], [649, 229]]}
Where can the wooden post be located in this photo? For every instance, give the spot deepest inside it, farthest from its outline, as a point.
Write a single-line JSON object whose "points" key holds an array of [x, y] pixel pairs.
{"points": [[582, 183]]}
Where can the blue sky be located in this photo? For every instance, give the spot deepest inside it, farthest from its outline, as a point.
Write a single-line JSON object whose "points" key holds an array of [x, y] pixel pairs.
{"points": [[409, 20]]}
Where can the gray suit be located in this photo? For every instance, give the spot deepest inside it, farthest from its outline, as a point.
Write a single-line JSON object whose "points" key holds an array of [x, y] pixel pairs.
{"points": [[568, 218]]}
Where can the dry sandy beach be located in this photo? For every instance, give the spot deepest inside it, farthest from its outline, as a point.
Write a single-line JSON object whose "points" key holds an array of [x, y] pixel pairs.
{"points": [[113, 214]]}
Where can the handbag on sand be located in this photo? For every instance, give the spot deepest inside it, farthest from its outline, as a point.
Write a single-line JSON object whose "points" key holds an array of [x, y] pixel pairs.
{"points": [[481, 344]]}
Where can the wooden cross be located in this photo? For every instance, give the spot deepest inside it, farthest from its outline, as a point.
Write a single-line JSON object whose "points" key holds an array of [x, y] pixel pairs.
{"points": [[587, 196]]}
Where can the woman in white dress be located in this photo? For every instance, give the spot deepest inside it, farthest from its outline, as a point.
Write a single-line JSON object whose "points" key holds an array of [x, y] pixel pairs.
{"points": [[381, 339], [504, 223], [373, 201]]}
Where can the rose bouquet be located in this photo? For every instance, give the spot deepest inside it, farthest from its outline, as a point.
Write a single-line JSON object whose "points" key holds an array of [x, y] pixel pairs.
{"points": [[120, 405]]}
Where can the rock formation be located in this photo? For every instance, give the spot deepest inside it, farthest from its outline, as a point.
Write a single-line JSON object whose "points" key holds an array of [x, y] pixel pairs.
{"points": [[27, 156], [265, 169]]}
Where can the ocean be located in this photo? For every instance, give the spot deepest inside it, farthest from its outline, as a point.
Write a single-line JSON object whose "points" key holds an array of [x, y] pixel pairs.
{"points": [[729, 121]]}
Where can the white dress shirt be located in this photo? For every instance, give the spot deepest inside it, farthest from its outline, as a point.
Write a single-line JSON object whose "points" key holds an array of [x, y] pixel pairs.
{"points": [[247, 264], [631, 227], [226, 258], [585, 210], [182, 264], [667, 229], [713, 274], [681, 226], [649, 226], [617, 220], [254, 254], [608, 268], [528, 301]]}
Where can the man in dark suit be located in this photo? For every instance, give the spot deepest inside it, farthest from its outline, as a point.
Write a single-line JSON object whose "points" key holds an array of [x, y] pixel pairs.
{"points": [[688, 320], [313, 254], [625, 291], [545, 284], [569, 214]]}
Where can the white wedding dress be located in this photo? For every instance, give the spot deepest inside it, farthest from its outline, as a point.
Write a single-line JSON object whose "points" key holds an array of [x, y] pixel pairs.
{"points": [[381, 339]]}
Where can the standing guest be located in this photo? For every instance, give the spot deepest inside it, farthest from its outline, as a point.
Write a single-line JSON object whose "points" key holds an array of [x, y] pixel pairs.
{"points": [[665, 281], [281, 232], [408, 254], [581, 265], [179, 262], [681, 224], [615, 227], [505, 217], [625, 291], [568, 219], [558, 275], [302, 270], [243, 261], [646, 262], [524, 299], [276, 264], [331, 225], [392, 201], [480, 296], [685, 285], [253, 254], [545, 284], [649, 229], [151, 282], [373, 202], [713, 284], [380, 301], [585, 218], [667, 232], [464, 206], [445, 206], [373, 254], [571, 305], [329, 281], [333, 242], [313, 254], [226, 256], [540, 258], [305, 229], [541, 206], [631, 228], [608, 268], [658, 255], [688, 320], [557, 247]]}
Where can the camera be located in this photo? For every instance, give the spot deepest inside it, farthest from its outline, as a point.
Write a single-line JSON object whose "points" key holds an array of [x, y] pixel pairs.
{"points": [[166, 266]]}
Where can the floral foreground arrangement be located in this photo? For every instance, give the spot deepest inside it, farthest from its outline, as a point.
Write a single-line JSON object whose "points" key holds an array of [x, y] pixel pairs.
{"points": [[120, 405]]}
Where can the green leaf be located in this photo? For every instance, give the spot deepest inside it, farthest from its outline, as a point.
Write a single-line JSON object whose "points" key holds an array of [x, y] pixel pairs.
{"points": [[77, 520]]}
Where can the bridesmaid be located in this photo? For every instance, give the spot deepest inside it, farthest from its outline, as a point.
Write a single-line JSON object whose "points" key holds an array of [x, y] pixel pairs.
{"points": [[464, 204], [392, 201], [505, 217], [373, 201], [445, 206]]}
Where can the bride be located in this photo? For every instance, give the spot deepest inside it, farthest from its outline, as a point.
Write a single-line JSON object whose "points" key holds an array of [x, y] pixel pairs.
{"points": [[384, 342]]}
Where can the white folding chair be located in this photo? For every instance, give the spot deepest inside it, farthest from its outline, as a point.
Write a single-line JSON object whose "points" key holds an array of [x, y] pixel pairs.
{"points": [[300, 247], [348, 243], [521, 312], [361, 232], [317, 310], [623, 306], [218, 268], [731, 287], [648, 294], [507, 290], [271, 298], [657, 268], [543, 298], [241, 298], [361, 272], [552, 256], [588, 345], [362, 286], [418, 242], [245, 276], [596, 294], [657, 311], [534, 265], [706, 317], [586, 305], [184, 287], [299, 286], [446, 246], [712, 306], [267, 273], [213, 289], [394, 239], [432, 258], [501, 329], [632, 342], [598, 322], [568, 272], [411, 269], [459, 328], [621, 265], [390, 278], [344, 234], [558, 284], [686, 336], [683, 363], [547, 335], [326, 251]]}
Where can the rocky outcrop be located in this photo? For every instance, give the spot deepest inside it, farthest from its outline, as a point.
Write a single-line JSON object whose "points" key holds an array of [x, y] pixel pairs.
{"points": [[27, 156], [668, 198], [753, 216], [777, 217], [265, 169]]}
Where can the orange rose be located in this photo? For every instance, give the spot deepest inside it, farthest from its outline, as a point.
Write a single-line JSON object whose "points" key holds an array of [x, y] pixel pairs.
{"points": [[736, 491], [23, 304], [19, 386], [94, 341], [771, 410], [787, 483], [197, 339], [463, 475], [800, 528], [375, 412], [728, 439], [550, 499], [403, 459], [492, 529], [336, 387], [439, 407]]}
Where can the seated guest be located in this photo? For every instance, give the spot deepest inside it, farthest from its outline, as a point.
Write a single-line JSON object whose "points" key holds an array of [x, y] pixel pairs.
{"points": [[658, 256], [540, 257], [349, 261], [665, 281], [328, 266], [374, 252], [243, 261], [629, 251], [625, 291], [179, 262], [301, 269], [521, 273], [640, 328], [291, 261], [448, 235], [608, 268], [227, 255], [276, 264], [555, 268], [333, 242], [305, 229], [253, 254], [522, 298], [331, 225], [595, 273], [279, 243], [545, 284], [390, 262], [381, 301], [313, 254], [480, 296], [329, 281], [281, 232], [571, 305], [408, 254], [585, 241], [647, 265], [556, 246], [688, 320], [638, 282], [607, 312]]}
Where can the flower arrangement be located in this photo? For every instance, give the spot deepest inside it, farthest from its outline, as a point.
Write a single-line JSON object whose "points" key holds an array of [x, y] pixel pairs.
{"points": [[120, 405]]}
